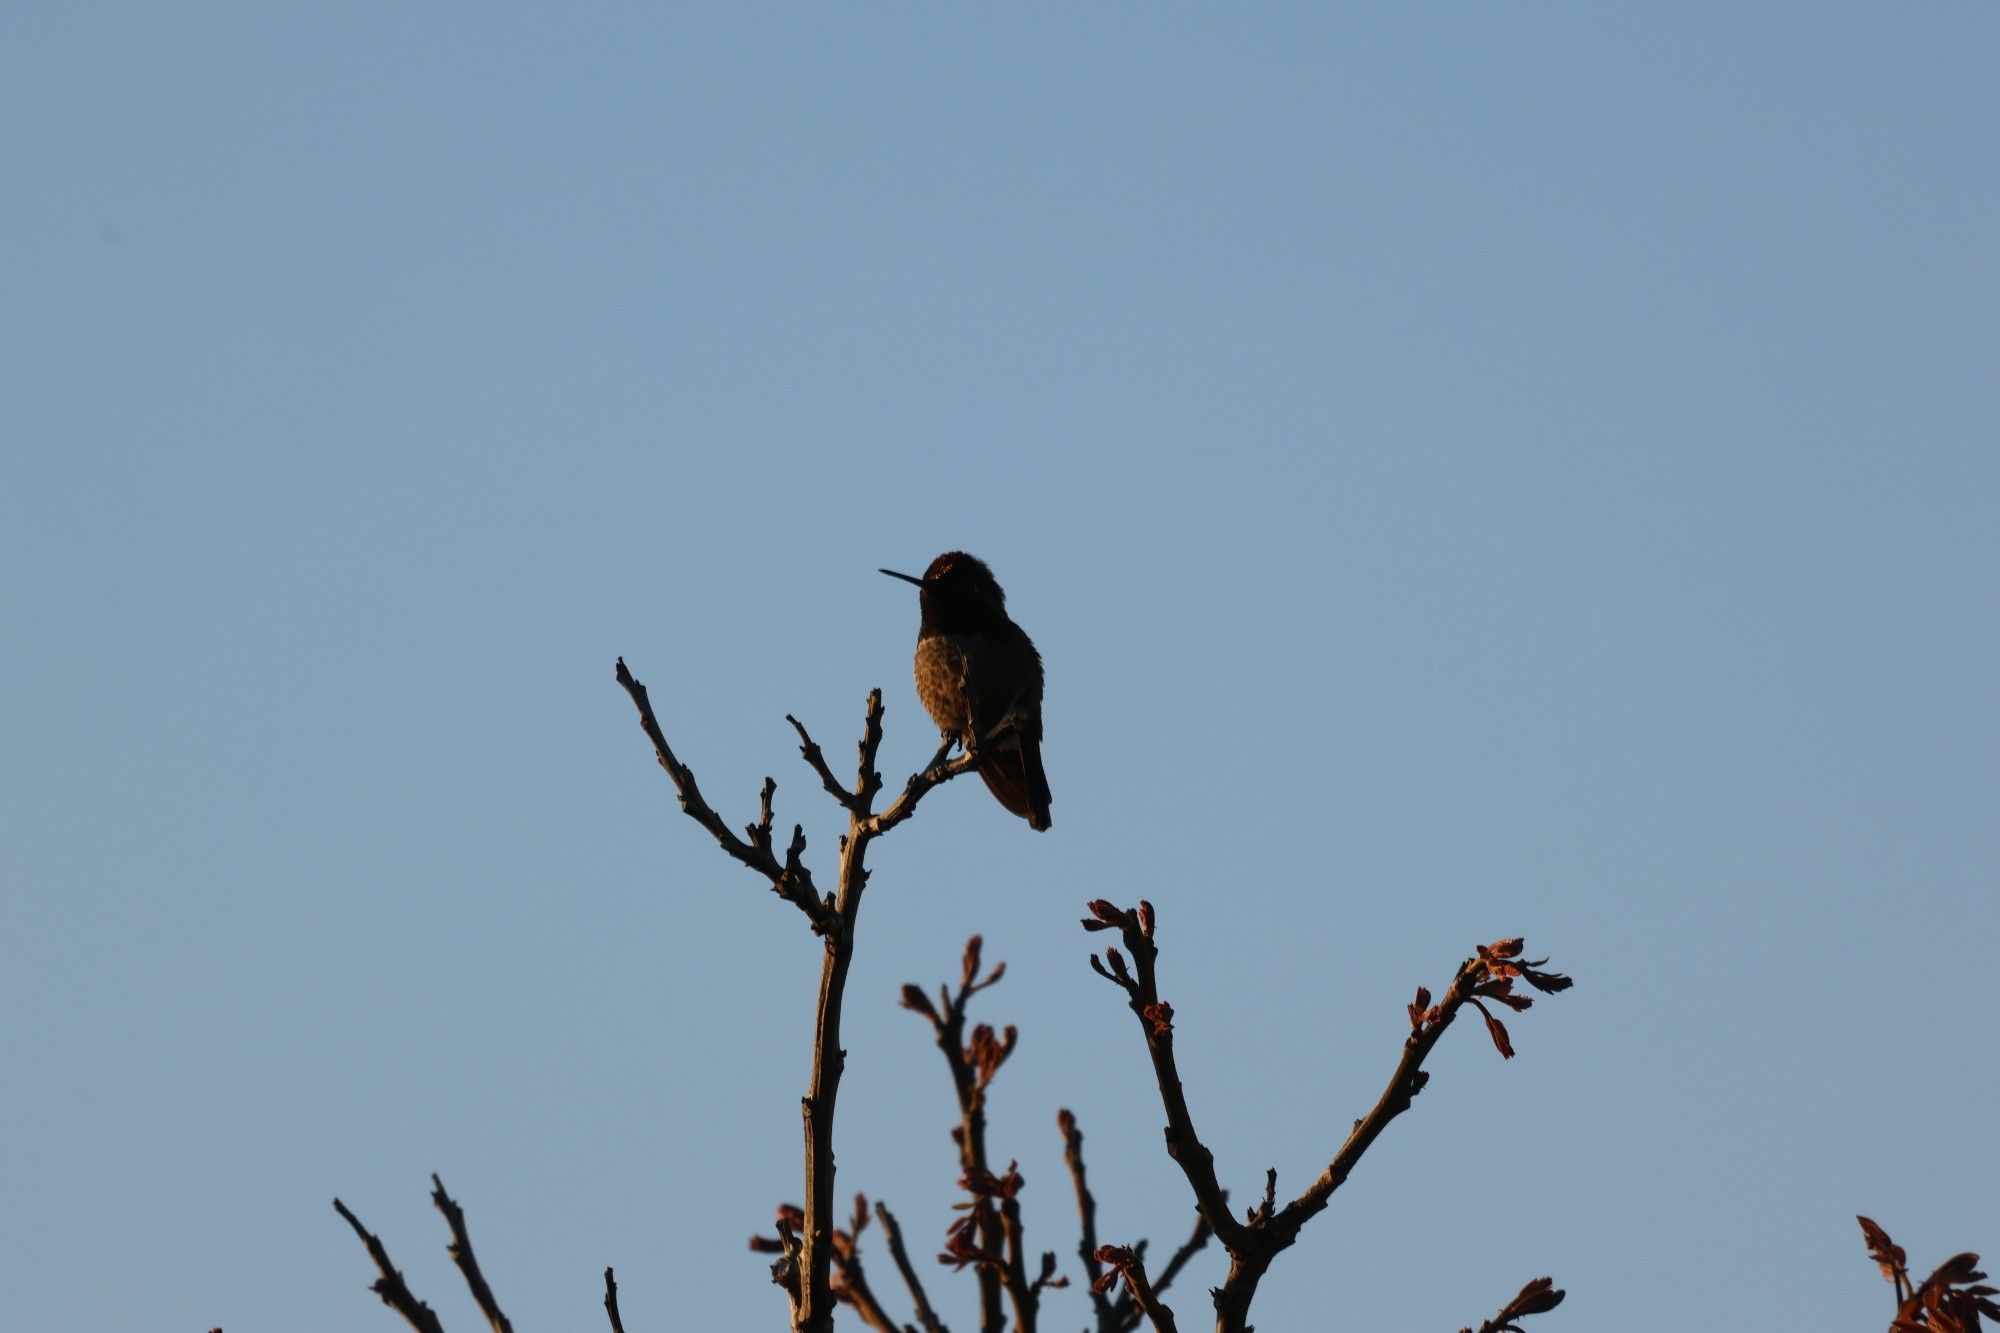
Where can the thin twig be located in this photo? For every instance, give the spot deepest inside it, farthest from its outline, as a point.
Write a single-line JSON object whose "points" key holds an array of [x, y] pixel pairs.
{"points": [[1123, 1314], [813, 1308], [853, 1288], [790, 879], [1024, 1294], [834, 919], [395, 1292], [933, 774], [850, 801], [1488, 972], [461, 1254], [1190, 1247], [1254, 1242], [894, 1235], [989, 1236], [611, 1301], [1086, 1211], [1142, 996]]}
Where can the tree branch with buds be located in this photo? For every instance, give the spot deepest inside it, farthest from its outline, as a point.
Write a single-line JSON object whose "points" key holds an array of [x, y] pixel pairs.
{"points": [[833, 917], [989, 1236], [1122, 1314], [818, 1262], [1539, 1297], [1266, 1230], [1951, 1300]]}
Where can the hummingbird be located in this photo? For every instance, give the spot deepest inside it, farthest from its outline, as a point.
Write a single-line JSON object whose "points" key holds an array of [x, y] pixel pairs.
{"points": [[980, 679]]}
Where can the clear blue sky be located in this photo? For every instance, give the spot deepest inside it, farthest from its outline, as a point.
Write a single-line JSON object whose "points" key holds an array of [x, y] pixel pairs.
{"points": [[1470, 471]]}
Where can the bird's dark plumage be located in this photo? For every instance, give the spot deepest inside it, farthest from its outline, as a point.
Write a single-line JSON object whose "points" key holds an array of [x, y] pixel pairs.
{"points": [[980, 679]]}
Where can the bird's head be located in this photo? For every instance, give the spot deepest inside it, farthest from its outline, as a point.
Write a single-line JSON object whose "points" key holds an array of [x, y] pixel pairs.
{"points": [[957, 591]]}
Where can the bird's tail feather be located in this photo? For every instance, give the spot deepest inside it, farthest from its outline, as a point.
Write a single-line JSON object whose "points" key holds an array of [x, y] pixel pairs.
{"points": [[1014, 776]]}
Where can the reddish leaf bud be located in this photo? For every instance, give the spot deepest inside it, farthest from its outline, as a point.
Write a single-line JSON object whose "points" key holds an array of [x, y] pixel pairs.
{"points": [[914, 998], [1108, 912], [1496, 1030], [1538, 1297]]}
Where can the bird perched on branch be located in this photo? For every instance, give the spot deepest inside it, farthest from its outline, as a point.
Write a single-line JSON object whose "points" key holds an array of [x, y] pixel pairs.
{"points": [[980, 679]]}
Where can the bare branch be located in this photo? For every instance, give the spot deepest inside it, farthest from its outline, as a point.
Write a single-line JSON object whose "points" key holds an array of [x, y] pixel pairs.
{"points": [[849, 801], [1193, 1245], [894, 1235], [1123, 1314], [1086, 1211], [1024, 1294], [395, 1292], [852, 1285], [934, 774], [611, 1302], [867, 781], [461, 1254], [833, 918], [813, 1302], [789, 879]]}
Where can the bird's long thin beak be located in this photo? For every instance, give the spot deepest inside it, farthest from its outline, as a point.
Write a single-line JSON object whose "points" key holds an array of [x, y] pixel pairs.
{"points": [[907, 578]]}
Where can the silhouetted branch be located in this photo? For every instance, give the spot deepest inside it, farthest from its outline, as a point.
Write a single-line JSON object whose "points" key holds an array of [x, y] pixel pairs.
{"points": [[1086, 1213], [1489, 974], [933, 774], [988, 1235], [461, 1254], [1539, 1297], [395, 1292], [807, 1277], [1190, 1247], [816, 759], [901, 1256], [790, 879], [1267, 1230], [852, 1278], [611, 1302], [1142, 995], [1123, 1314]]}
